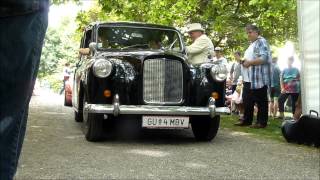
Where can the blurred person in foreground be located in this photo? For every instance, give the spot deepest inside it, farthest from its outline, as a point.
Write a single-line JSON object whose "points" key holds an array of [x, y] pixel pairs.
{"points": [[22, 29]]}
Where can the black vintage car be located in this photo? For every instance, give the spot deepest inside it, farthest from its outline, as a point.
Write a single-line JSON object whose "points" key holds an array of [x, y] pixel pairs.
{"points": [[141, 70]]}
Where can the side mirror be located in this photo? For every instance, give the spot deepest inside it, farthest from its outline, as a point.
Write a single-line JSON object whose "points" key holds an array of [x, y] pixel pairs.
{"points": [[93, 47]]}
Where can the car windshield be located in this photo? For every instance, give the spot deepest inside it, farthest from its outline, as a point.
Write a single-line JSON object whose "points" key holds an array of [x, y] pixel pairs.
{"points": [[137, 38]]}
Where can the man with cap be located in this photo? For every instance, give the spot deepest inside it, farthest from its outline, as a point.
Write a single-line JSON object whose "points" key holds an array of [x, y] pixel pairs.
{"points": [[219, 56], [201, 47]]}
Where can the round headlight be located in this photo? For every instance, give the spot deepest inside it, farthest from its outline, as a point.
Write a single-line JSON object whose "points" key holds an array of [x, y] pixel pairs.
{"points": [[219, 72], [102, 68]]}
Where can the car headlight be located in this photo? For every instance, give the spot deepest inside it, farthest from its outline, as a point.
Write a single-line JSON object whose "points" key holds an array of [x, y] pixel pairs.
{"points": [[219, 72], [102, 68]]}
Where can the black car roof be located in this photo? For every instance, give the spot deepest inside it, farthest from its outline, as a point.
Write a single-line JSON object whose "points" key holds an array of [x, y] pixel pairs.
{"points": [[140, 24]]}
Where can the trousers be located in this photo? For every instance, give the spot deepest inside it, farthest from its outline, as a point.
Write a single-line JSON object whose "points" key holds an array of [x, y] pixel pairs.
{"points": [[282, 99], [252, 97], [21, 40]]}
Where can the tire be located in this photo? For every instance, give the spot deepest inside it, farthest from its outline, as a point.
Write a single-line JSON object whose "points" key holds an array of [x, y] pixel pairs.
{"points": [[92, 125], [205, 128], [78, 116]]}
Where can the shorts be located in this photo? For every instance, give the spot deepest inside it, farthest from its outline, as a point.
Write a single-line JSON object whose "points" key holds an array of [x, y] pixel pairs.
{"points": [[275, 93]]}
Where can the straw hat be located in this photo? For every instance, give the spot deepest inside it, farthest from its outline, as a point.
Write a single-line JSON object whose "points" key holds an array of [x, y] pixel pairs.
{"points": [[194, 27]]}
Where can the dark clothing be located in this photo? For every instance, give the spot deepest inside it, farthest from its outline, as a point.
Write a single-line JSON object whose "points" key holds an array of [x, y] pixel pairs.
{"points": [[276, 72], [22, 7], [282, 99], [245, 95], [233, 88], [22, 29], [275, 92], [252, 97]]}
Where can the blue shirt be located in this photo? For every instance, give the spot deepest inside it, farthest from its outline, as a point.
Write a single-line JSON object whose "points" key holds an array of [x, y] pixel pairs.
{"points": [[261, 75]]}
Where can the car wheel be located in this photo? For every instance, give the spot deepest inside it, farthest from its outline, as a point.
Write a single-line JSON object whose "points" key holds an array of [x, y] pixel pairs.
{"points": [[205, 128], [92, 124], [78, 116]]}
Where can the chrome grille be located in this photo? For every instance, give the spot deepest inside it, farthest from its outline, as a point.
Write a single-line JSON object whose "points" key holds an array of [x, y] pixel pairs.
{"points": [[162, 81]]}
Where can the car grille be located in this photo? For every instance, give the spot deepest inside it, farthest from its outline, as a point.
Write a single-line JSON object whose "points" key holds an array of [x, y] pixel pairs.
{"points": [[162, 81]]}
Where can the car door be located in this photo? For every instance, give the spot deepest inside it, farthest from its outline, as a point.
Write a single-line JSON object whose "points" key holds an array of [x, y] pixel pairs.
{"points": [[80, 69]]}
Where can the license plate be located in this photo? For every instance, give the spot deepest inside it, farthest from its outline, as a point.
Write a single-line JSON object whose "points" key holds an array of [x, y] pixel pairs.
{"points": [[176, 122]]}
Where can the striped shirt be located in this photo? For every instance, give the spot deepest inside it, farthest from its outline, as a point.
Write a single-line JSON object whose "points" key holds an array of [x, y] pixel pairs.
{"points": [[261, 75]]}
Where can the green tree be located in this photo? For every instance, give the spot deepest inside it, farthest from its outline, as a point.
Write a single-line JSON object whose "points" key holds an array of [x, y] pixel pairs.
{"points": [[60, 46], [224, 19]]}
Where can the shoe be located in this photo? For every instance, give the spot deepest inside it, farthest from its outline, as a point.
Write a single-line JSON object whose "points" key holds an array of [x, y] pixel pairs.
{"points": [[258, 126], [242, 123]]}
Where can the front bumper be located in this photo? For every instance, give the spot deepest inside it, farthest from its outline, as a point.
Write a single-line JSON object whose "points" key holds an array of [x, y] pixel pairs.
{"points": [[117, 109]]}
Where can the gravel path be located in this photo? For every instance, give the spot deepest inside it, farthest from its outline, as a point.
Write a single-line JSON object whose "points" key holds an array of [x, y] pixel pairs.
{"points": [[55, 148]]}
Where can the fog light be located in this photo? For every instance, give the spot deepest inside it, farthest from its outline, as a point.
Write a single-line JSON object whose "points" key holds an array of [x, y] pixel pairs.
{"points": [[215, 95], [107, 93]]}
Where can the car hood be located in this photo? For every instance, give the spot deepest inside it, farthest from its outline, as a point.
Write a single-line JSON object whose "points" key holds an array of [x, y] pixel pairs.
{"points": [[140, 55]]}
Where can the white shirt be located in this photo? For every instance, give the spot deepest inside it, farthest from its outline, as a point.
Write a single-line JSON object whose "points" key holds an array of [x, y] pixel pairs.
{"points": [[248, 55], [199, 50], [66, 71]]}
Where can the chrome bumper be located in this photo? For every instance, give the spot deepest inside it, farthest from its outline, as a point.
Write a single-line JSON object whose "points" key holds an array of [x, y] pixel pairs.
{"points": [[117, 109]]}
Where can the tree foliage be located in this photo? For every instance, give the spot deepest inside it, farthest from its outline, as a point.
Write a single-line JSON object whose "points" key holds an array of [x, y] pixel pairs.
{"points": [[59, 48], [224, 20]]}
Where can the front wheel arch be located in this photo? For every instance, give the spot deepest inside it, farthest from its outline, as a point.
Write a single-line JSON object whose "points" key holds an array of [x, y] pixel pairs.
{"points": [[205, 128]]}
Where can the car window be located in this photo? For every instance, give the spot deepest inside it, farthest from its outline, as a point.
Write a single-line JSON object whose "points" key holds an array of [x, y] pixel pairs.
{"points": [[137, 38], [87, 38]]}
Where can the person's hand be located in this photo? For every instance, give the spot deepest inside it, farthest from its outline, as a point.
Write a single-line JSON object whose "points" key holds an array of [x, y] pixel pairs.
{"points": [[246, 63], [283, 91]]}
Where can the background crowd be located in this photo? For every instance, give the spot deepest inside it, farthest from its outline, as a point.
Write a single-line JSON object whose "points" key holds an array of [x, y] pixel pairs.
{"points": [[255, 86]]}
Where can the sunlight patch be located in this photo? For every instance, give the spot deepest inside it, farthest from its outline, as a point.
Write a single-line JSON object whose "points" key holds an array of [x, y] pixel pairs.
{"points": [[74, 137], [47, 112], [239, 134], [151, 153], [36, 126], [196, 165]]}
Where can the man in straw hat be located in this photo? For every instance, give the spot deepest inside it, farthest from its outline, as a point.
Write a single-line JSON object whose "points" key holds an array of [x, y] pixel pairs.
{"points": [[201, 46]]}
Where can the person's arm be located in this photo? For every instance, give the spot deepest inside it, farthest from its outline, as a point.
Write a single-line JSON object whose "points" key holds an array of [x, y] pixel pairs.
{"points": [[84, 51], [263, 54], [254, 62], [197, 47]]}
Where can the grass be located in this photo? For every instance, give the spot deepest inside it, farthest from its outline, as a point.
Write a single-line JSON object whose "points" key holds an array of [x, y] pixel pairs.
{"points": [[272, 131]]}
